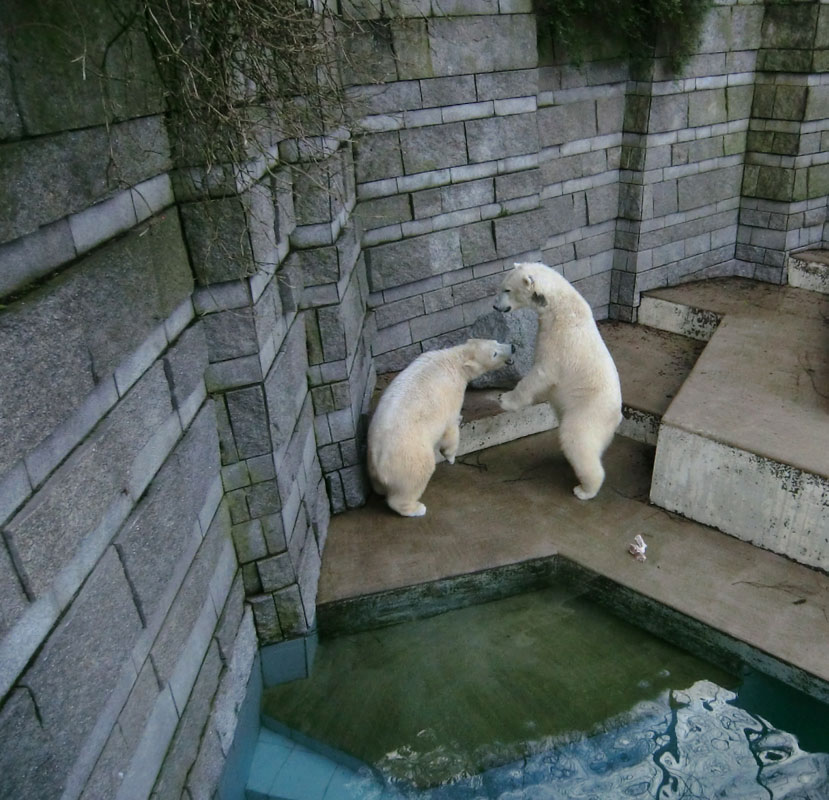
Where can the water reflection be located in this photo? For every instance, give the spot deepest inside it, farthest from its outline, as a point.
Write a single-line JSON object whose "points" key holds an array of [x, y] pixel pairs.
{"points": [[693, 744]]}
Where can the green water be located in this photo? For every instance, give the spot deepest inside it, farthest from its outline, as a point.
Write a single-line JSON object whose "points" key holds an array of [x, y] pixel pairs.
{"points": [[465, 691]]}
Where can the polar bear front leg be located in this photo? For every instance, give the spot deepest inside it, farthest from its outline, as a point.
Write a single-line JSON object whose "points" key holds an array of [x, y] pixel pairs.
{"points": [[448, 444], [534, 383]]}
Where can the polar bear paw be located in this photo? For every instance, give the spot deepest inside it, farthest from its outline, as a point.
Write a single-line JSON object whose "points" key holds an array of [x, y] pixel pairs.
{"points": [[509, 402], [406, 508], [418, 510], [583, 494]]}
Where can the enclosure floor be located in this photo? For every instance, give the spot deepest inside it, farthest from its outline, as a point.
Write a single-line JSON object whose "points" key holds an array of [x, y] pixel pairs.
{"points": [[514, 502]]}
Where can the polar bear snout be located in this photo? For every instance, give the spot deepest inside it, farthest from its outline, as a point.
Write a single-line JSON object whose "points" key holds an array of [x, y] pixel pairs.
{"points": [[502, 305], [510, 360]]}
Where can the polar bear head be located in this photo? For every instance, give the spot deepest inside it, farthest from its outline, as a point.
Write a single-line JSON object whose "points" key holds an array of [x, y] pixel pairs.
{"points": [[528, 285], [483, 355]]}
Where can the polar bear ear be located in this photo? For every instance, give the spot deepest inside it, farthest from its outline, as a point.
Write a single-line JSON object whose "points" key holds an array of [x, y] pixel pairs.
{"points": [[529, 281]]}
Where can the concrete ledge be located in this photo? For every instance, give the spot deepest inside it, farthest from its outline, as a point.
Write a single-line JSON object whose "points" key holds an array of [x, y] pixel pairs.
{"points": [[809, 270], [665, 315], [772, 505]]}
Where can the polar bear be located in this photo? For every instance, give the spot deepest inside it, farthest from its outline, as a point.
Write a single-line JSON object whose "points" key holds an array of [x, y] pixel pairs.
{"points": [[419, 415], [572, 369]]}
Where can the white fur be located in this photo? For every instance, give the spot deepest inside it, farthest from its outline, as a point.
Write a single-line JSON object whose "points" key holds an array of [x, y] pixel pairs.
{"points": [[419, 415], [572, 369]]}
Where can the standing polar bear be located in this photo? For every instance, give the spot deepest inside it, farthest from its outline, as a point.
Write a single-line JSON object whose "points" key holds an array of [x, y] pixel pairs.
{"points": [[572, 369], [419, 415]]}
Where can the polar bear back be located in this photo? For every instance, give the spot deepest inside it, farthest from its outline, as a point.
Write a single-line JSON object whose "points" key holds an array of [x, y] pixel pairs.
{"points": [[424, 395]]}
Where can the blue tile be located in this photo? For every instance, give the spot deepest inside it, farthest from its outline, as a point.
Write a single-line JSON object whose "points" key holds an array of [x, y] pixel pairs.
{"points": [[268, 758], [284, 662], [304, 776]]}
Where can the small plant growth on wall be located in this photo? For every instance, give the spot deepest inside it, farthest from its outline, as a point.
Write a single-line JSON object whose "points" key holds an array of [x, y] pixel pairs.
{"points": [[242, 74], [634, 30]]}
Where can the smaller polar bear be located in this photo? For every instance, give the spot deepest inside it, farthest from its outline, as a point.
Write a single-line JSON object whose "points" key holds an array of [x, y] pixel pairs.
{"points": [[572, 369], [419, 415]]}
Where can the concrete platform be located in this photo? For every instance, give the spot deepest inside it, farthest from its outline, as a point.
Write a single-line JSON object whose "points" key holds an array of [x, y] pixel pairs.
{"points": [[512, 504], [744, 447], [809, 269]]}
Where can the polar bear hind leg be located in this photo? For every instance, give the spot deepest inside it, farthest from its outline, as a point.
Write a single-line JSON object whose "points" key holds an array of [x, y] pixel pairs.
{"points": [[448, 444], [407, 481], [583, 442]]}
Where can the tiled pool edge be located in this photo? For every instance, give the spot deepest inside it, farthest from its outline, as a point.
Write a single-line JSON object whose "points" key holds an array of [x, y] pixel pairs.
{"points": [[394, 606]]}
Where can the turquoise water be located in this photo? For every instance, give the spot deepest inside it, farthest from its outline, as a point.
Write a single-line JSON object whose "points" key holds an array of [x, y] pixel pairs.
{"points": [[539, 697]]}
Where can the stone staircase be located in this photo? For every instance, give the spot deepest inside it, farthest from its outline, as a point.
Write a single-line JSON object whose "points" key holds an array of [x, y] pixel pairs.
{"points": [[744, 447], [729, 378]]}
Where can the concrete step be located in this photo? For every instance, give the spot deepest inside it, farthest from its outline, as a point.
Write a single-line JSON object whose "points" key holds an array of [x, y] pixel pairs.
{"points": [[744, 447], [809, 269]]}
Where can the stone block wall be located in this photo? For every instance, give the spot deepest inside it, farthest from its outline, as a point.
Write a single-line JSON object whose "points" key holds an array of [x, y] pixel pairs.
{"points": [[786, 178], [125, 645]]}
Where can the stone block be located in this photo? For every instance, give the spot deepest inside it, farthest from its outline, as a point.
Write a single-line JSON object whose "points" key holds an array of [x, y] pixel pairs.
{"points": [[412, 49], [384, 211], [637, 113], [790, 102], [610, 112], [52, 51], [51, 528], [561, 214], [184, 364], [710, 187], [82, 645], [566, 123], [393, 313], [263, 499], [789, 25], [378, 156], [502, 42], [79, 327], [26, 759], [385, 98], [286, 386], [14, 598], [433, 147], [668, 113], [459, 8], [34, 256], [230, 334], [665, 198], [218, 238], [410, 260], [602, 203], [477, 243], [249, 421], [276, 572], [370, 58], [502, 137], [707, 107], [519, 328], [507, 85], [519, 233], [448, 91], [738, 100], [184, 747], [160, 528], [517, 184], [170, 646], [291, 613]]}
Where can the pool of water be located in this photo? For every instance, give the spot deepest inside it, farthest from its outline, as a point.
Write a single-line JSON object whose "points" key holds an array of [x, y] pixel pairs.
{"points": [[547, 695]]}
